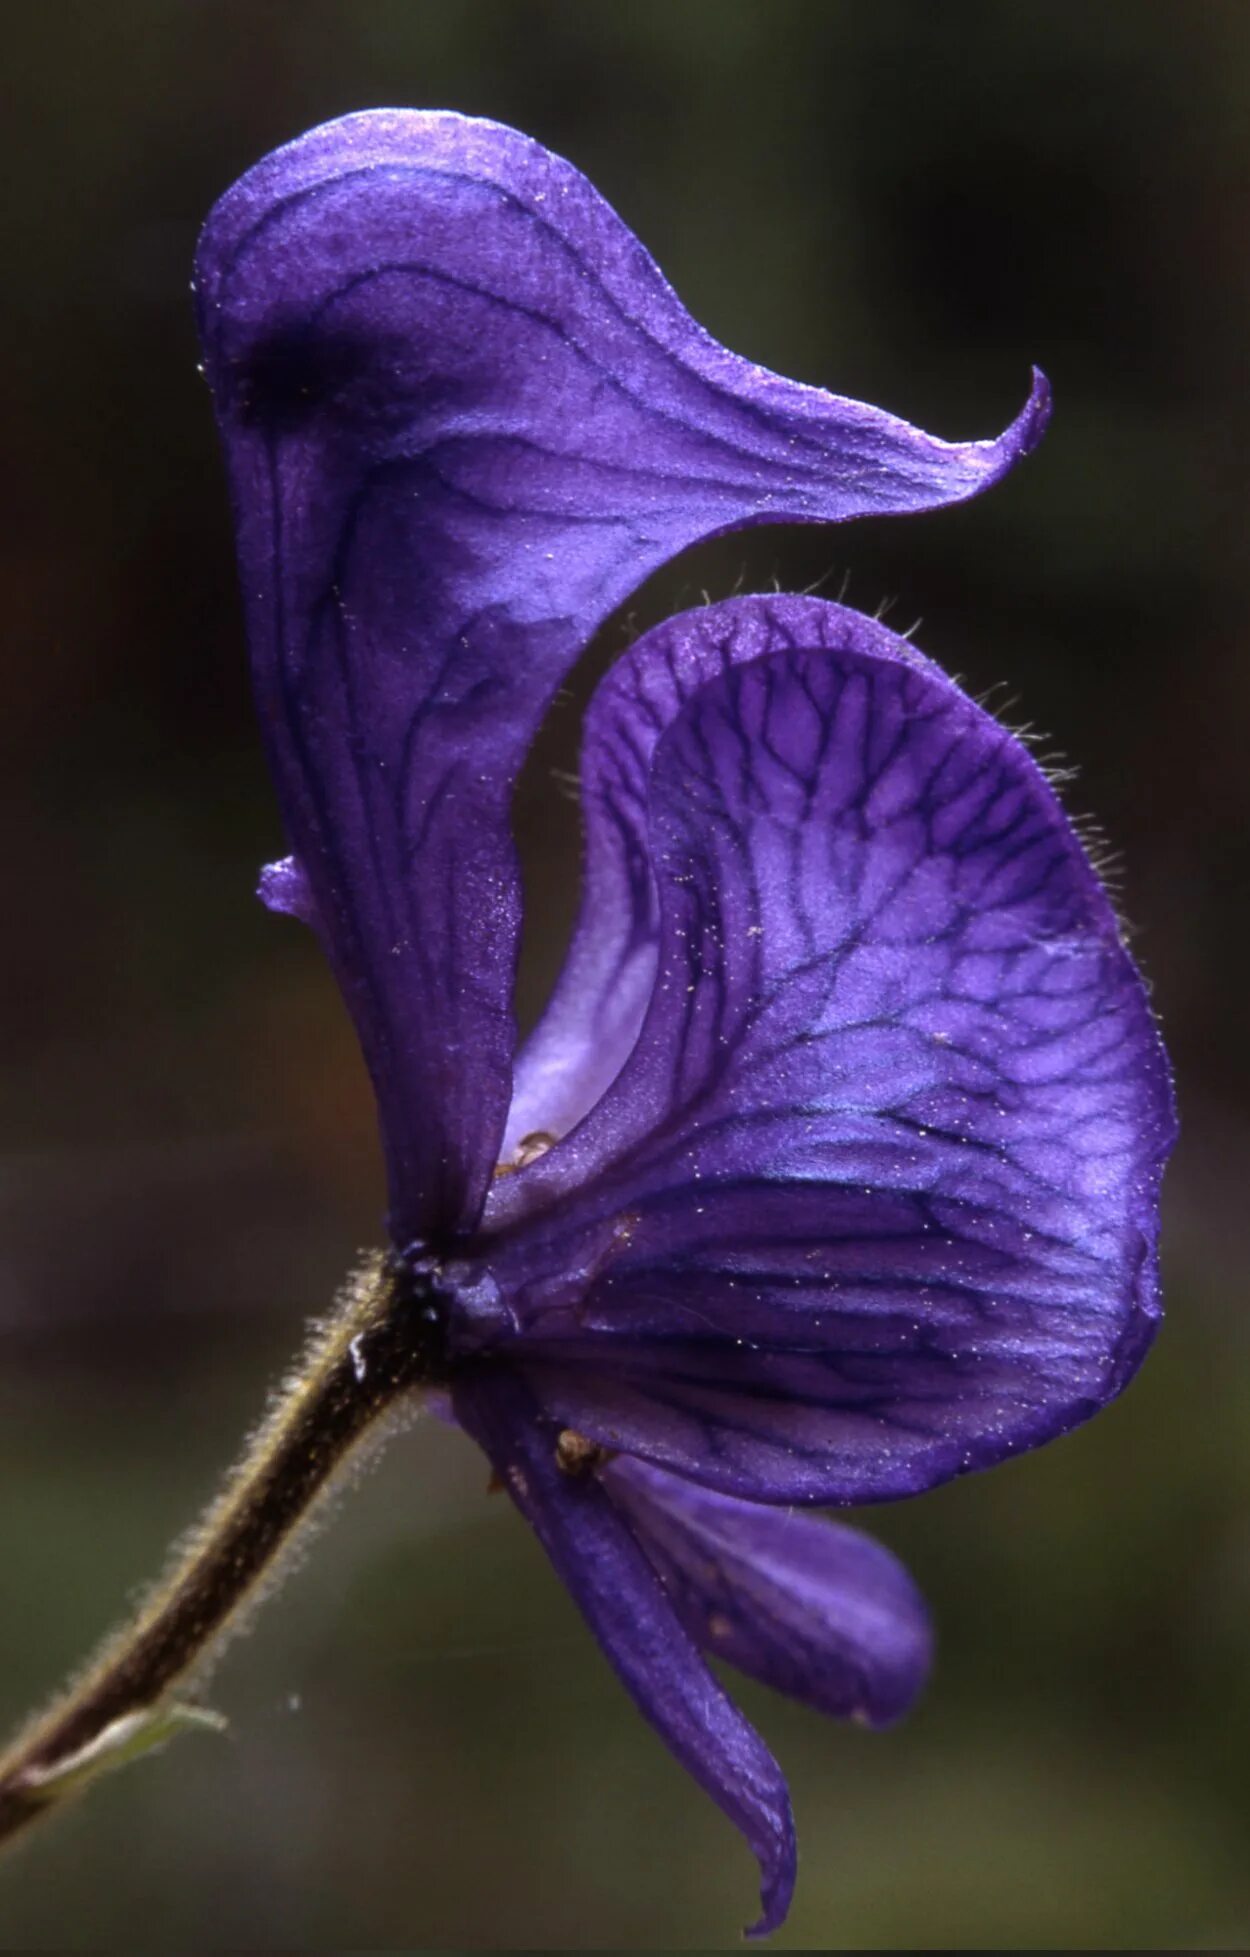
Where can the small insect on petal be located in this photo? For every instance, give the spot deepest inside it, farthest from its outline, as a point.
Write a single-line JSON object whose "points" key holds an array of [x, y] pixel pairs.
{"points": [[575, 1455], [530, 1148]]}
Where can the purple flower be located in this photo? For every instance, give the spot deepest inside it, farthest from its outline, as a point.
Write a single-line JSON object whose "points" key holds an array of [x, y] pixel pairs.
{"points": [[831, 1170]]}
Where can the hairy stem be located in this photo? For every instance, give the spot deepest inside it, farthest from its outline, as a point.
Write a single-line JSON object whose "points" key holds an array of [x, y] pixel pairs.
{"points": [[379, 1345]]}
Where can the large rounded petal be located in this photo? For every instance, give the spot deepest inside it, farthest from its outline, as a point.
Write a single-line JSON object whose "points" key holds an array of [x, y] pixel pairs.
{"points": [[614, 1583], [873, 1199], [464, 418]]}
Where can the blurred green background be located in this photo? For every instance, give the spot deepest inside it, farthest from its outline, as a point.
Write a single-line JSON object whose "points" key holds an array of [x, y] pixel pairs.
{"points": [[905, 201]]}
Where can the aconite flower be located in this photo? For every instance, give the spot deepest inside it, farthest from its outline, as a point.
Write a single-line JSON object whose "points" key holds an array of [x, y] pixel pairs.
{"points": [[831, 1169]]}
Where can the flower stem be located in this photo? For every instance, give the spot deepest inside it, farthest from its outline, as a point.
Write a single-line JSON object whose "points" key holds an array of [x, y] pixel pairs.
{"points": [[378, 1346]]}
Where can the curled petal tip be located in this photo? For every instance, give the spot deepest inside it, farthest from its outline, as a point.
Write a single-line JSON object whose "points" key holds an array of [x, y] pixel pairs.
{"points": [[1022, 436], [1034, 418], [776, 1891], [1019, 438]]}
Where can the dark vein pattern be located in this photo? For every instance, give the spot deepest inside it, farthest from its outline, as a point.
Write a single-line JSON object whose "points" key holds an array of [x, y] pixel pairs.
{"points": [[597, 1008], [465, 417], [873, 1199]]}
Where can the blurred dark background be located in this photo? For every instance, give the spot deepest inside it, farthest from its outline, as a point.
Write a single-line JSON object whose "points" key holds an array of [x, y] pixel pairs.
{"points": [[905, 202]]}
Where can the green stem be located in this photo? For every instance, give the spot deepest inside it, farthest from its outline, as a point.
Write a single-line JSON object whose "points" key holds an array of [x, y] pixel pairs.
{"points": [[374, 1351]]}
